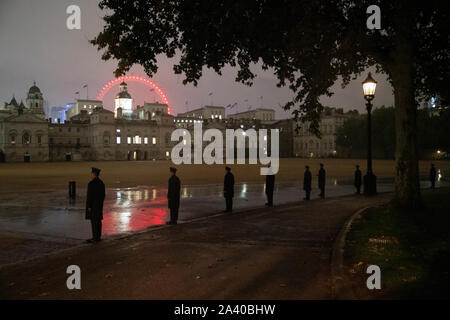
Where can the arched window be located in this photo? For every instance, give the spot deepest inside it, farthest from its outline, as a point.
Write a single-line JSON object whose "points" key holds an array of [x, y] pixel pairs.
{"points": [[12, 138], [26, 138]]}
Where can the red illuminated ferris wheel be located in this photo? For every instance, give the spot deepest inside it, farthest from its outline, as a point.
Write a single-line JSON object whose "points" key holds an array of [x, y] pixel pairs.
{"points": [[139, 79]]}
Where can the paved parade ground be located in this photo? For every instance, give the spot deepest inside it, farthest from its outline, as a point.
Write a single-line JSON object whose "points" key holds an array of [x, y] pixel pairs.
{"points": [[51, 176], [256, 252], [272, 253]]}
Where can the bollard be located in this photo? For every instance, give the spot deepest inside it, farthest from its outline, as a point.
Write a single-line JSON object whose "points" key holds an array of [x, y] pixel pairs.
{"points": [[72, 189]]}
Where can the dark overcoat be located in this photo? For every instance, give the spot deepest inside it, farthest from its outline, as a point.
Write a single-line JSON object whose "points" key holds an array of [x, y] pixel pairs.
{"points": [[358, 178], [307, 178], [95, 198], [321, 178], [270, 183], [433, 174], [228, 185], [173, 192]]}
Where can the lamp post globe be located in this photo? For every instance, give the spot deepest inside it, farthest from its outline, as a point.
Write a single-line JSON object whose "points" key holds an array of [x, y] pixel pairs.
{"points": [[370, 180]]}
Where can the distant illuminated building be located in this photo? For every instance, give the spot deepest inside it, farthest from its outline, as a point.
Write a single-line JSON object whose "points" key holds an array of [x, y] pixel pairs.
{"points": [[58, 114], [73, 109], [124, 102]]}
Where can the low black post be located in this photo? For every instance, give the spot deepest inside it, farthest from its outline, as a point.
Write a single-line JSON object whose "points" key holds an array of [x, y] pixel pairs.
{"points": [[72, 189]]}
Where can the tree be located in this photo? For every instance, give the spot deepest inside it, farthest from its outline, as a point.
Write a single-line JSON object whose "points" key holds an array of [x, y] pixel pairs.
{"points": [[308, 44], [351, 138], [432, 134]]}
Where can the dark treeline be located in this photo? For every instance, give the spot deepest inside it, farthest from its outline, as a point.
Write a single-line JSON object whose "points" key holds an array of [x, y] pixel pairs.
{"points": [[433, 134]]}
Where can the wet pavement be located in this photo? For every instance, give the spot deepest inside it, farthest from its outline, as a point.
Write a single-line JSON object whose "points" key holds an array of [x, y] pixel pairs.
{"points": [[52, 214]]}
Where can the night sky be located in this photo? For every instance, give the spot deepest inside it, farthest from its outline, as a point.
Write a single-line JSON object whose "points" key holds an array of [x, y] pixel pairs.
{"points": [[35, 45]]}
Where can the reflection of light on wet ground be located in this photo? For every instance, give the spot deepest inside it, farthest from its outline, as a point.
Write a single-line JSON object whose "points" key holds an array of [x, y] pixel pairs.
{"points": [[130, 209], [243, 190], [124, 219]]}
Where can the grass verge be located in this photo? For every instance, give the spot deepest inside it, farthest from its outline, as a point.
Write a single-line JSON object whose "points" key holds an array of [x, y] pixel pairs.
{"points": [[412, 249]]}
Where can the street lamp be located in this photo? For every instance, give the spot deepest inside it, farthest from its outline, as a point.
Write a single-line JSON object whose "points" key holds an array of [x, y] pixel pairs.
{"points": [[370, 180]]}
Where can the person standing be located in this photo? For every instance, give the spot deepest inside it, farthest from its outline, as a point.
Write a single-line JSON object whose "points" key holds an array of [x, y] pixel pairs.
{"points": [[270, 185], [228, 189], [94, 205], [173, 196], [358, 180], [322, 181], [432, 176], [307, 178]]}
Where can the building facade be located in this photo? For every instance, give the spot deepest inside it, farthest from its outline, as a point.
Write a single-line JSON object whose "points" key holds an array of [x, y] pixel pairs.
{"points": [[91, 132], [307, 145], [255, 114]]}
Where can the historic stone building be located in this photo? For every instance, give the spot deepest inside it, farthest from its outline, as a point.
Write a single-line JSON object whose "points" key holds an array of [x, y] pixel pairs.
{"points": [[89, 133], [24, 129], [255, 114], [92, 132], [307, 145]]}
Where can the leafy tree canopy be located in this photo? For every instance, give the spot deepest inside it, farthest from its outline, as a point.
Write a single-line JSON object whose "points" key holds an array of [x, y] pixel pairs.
{"points": [[309, 43]]}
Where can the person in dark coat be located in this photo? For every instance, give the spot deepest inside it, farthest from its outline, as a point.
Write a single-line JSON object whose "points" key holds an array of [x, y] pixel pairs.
{"points": [[358, 180], [173, 196], [94, 204], [307, 178], [321, 176], [228, 189], [270, 185], [432, 176]]}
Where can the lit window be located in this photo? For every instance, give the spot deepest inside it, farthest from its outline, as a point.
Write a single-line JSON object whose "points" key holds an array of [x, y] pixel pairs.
{"points": [[118, 140], [145, 140], [154, 140], [118, 130], [129, 140], [137, 140], [167, 153]]}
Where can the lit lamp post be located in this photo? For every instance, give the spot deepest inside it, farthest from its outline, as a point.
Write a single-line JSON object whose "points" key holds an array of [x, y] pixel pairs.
{"points": [[370, 180]]}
